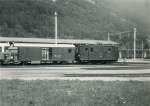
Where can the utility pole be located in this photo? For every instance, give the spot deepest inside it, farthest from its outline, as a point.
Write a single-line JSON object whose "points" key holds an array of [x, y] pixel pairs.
{"points": [[134, 43], [120, 37], [55, 18], [56, 27]]}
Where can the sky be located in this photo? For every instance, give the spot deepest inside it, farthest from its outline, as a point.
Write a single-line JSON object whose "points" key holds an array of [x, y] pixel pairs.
{"points": [[133, 0], [138, 8]]}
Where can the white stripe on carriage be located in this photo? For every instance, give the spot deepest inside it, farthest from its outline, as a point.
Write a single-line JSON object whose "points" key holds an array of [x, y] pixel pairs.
{"points": [[37, 45]]}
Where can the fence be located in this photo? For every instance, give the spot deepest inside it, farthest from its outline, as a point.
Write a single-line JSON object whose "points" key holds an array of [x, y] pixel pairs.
{"points": [[129, 53]]}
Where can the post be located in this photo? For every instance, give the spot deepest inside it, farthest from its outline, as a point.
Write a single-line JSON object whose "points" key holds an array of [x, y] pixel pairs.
{"points": [[120, 54], [108, 36], [142, 49], [134, 43], [56, 28], [120, 36], [128, 46], [3, 48]]}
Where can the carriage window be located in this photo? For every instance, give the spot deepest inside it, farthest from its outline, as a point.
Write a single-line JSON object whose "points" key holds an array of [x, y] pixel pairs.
{"points": [[50, 50], [43, 53], [92, 50], [109, 50], [69, 50], [86, 49]]}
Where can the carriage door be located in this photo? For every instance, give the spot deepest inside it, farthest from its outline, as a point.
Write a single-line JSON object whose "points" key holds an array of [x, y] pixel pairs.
{"points": [[107, 52], [50, 53], [12, 53], [45, 54], [84, 52]]}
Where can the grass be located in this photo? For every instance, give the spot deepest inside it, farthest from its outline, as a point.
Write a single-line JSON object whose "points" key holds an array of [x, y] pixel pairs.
{"points": [[74, 93]]}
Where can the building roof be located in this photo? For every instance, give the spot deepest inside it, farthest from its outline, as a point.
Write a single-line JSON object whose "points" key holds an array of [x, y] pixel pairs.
{"points": [[60, 41]]}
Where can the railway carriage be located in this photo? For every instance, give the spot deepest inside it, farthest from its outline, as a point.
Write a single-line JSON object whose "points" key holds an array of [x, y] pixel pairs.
{"points": [[29, 53], [58, 54], [97, 53]]}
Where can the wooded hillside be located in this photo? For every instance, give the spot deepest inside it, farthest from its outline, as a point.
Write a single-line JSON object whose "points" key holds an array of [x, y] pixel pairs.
{"points": [[83, 19]]}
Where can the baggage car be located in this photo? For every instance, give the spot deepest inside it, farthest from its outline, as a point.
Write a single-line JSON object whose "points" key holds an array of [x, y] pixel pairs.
{"points": [[46, 53], [27, 55], [58, 54], [31, 53]]}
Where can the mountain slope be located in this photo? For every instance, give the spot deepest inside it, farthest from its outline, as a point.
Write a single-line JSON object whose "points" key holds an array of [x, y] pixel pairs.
{"points": [[84, 19], [77, 18]]}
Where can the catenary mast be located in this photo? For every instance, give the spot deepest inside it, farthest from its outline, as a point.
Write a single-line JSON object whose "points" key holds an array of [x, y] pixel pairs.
{"points": [[56, 34], [56, 26]]}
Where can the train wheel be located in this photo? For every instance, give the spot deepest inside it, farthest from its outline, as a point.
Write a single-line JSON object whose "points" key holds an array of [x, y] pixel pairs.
{"points": [[24, 63], [103, 62]]}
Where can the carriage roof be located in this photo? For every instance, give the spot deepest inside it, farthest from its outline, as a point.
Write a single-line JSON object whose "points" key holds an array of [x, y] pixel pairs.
{"points": [[38, 45], [52, 41]]}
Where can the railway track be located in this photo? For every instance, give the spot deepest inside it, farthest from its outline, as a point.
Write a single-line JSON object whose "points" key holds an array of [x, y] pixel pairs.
{"points": [[109, 75], [140, 72]]}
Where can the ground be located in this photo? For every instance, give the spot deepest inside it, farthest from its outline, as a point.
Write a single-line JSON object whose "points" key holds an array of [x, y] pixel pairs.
{"points": [[74, 93], [121, 84], [109, 72]]}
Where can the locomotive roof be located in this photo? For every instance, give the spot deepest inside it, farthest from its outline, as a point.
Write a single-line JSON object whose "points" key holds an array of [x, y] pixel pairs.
{"points": [[61, 41], [37, 45]]}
